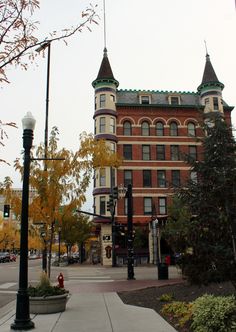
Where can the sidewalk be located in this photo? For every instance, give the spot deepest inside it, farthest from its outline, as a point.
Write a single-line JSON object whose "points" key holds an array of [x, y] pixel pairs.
{"points": [[93, 312]]}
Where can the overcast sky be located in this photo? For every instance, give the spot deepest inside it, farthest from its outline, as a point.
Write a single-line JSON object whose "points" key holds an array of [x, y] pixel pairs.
{"points": [[152, 45]]}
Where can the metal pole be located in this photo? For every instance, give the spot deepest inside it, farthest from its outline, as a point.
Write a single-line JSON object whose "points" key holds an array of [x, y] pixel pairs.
{"points": [[113, 227], [159, 243], [154, 232], [22, 319], [130, 265], [59, 245], [48, 45]]}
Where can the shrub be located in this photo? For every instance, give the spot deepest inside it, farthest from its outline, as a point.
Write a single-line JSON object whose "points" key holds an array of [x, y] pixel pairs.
{"points": [[214, 313], [167, 297], [180, 311], [44, 288]]}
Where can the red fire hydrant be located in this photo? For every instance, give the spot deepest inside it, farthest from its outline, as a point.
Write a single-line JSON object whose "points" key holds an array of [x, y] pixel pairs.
{"points": [[60, 279]]}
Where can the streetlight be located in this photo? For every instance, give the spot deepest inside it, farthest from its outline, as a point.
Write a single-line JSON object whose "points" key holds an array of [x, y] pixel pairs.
{"points": [[40, 49], [22, 319]]}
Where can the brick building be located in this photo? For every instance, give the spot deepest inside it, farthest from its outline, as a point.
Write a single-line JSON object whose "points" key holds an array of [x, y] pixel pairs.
{"points": [[151, 130]]}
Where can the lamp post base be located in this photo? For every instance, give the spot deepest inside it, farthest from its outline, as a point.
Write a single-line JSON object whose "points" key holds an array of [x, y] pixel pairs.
{"points": [[22, 325]]}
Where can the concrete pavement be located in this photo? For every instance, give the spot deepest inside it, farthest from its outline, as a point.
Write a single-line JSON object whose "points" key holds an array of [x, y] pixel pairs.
{"points": [[98, 312], [98, 308]]}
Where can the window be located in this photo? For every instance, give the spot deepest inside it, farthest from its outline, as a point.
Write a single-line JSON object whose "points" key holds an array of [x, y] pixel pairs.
{"points": [[162, 205], [127, 128], [127, 178], [191, 129], [173, 129], [95, 103], [174, 100], [113, 176], [127, 151], [192, 150], [207, 101], [159, 129], [215, 104], [147, 205], [112, 126], [94, 179], [147, 178], [94, 205], [112, 98], [102, 205], [102, 100], [160, 152], [95, 126], [193, 176], [145, 100], [145, 128], [146, 152], [102, 125], [175, 177], [112, 147], [102, 177], [161, 179], [174, 152]]}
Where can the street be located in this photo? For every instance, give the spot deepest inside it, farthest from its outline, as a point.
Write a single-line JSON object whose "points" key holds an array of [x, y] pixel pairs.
{"points": [[80, 278]]}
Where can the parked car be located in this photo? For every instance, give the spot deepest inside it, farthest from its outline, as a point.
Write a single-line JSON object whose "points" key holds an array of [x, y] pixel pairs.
{"points": [[12, 257], [4, 257]]}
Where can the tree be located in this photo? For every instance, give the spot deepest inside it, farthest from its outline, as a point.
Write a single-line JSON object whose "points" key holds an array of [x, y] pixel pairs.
{"points": [[64, 180], [18, 32], [4, 135], [211, 201], [176, 229]]}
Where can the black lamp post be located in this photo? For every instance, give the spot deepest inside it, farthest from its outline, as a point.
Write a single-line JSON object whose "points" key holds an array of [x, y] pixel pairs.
{"points": [[22, 319]]}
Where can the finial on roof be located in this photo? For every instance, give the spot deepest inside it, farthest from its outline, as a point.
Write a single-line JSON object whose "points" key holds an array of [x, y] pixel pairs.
{"points": [[207, 55], [105, 52]]}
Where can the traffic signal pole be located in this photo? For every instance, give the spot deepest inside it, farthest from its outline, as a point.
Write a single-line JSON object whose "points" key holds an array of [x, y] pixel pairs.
{"points": [[130, 256]]}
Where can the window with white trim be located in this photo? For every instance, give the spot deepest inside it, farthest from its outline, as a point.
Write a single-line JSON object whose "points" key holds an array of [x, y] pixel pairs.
{"points": [[147, 208]]}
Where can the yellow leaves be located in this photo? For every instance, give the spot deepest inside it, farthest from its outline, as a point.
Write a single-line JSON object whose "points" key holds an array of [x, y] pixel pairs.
{"points": [[97, 152]]}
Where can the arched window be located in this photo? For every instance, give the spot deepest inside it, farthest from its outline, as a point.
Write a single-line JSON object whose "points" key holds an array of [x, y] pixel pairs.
{"points": [[159, 129], [173, 129], [191, 129], [127, 128], [145, 128]]}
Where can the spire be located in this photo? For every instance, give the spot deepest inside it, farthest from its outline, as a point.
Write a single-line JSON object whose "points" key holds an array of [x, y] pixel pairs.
{"points": [[209, 74], [105, 71], [105, 68], [209, 77]]}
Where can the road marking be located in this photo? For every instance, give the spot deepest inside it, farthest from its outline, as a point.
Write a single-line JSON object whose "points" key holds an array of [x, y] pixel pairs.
{"points": [[89, 281], [7, 285], [88, 277]]}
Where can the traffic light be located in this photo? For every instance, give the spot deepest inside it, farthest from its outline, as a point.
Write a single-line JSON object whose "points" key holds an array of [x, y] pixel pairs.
{"points": [[115, 192], [108, 206], [6, 212], [110, 203]]}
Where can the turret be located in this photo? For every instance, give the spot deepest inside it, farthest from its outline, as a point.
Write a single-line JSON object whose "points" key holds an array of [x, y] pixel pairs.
{"points": [[105, 115], [210, 90]]}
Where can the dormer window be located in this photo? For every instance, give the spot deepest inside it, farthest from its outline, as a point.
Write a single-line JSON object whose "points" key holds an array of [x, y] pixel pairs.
{"points": [[174, 100], [145, 99]]}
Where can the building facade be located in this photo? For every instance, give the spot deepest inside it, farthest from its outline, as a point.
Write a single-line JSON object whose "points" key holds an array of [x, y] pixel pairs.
{"points": [[152, 131]]}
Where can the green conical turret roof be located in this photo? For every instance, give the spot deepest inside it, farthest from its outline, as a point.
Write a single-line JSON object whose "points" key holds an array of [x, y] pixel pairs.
{"points": [[105, 72], [209, 76]]}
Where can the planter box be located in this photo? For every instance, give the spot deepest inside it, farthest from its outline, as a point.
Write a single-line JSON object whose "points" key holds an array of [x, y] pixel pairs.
{"points": [[48, 305]]}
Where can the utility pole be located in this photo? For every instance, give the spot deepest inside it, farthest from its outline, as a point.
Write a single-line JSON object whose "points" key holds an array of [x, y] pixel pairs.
{"points": [[130, 265]]}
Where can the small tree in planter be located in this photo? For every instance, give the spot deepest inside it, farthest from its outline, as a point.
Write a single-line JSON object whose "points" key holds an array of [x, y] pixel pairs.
{"points": [[45, 298]]}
